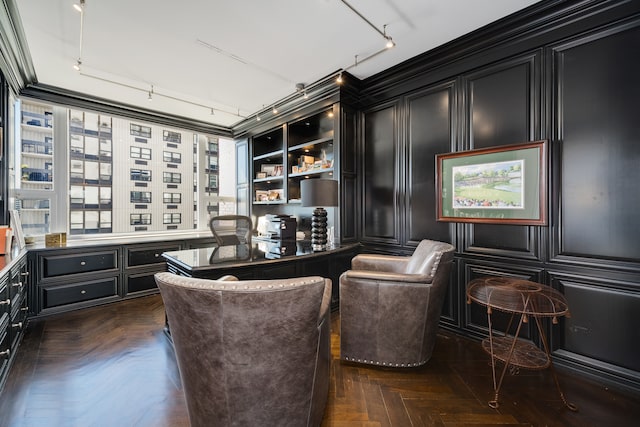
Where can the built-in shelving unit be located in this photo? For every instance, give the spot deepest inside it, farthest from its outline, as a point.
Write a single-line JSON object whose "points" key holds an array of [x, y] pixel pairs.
{"points": [[309, 151], [268, 167], [308, 145], [34, 166]]}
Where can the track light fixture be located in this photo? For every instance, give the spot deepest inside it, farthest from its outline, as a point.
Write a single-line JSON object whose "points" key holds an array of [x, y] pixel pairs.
{"points": [[390, 42], [79, 8]]}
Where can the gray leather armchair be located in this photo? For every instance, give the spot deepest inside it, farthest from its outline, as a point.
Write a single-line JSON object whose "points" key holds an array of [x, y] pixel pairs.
{"points": [[390, 305], [251, 353]]}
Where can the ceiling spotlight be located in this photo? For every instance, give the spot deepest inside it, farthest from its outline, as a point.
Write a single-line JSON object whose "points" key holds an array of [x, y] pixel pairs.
{"points": [[212, 112], [339, 79], [305, 95], [257, 118], [150, 97], [275, 110], [390, 43], [79, 7], [77, 65]]}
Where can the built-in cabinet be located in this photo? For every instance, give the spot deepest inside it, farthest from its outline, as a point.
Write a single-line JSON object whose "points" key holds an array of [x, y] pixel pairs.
{"points": [[13, 309], [69, 278]]}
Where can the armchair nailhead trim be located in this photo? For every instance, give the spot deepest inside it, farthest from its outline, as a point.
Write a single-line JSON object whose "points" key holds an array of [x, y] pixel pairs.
{"points": [[373, 362], [436, 262]]}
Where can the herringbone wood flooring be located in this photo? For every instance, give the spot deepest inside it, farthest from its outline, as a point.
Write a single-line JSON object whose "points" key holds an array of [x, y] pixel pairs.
{"points": [[113, 366]]}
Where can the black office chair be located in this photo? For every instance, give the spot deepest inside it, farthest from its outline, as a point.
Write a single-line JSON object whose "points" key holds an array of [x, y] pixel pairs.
{"points": [[231, 229]]}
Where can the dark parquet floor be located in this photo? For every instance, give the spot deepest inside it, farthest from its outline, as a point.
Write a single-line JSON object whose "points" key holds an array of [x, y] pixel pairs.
{"points": [[113, 366]]}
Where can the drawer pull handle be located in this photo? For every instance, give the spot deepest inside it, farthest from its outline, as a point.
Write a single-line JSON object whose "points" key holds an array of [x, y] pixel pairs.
{"points": [[83, 263], [83, 292], [17, 325], [26, 273], [17, 285], [6, 302], [5, 353], [25, 308]]}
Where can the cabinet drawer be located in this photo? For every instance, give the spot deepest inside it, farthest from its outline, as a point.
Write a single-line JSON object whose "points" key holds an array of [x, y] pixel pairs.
{"points": [[5, 349], [141, 282], [54, 296], [60, 265], [149, 255], [5, 301]]}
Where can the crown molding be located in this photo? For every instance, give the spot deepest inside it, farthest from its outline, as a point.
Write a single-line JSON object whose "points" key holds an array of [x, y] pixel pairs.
{"points": [[15, 58], [70, 98]]}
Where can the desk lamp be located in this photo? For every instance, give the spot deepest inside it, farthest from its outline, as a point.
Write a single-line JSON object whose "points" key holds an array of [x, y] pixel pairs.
{"points": [[319, 193]]}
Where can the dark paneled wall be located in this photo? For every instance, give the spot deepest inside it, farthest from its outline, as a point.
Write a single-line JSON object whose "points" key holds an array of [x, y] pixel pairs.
{"points": [[573, 81]]}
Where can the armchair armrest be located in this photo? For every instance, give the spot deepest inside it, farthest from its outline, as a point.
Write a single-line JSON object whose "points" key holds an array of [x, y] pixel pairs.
{"points": [[375, 262], [387, 276], [326, 300]]}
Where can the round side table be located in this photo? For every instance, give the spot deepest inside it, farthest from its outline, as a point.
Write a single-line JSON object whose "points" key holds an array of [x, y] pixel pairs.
{"points": [[527, 300]]}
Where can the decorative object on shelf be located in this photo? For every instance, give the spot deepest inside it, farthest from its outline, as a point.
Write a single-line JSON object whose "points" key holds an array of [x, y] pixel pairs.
{"points": [[271, 170], [319, 193], [498, 185], [16, 225], [55, 239]]}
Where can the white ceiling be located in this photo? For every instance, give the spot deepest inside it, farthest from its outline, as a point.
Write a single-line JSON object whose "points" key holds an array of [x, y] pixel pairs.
{"points": [[237, 56]]}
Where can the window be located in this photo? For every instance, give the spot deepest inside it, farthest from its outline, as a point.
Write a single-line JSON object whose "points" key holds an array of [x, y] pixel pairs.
{"points": [[140, 197], [105, 197], [169, 136], [140, 175], [105, 148], [140, 153], [139, 130], [140, 219], [90, 222], [213, 164], [213, 181], [93, 193], [172, 198], [172, 177], [171, 157], [212, 148], [172, 218]]}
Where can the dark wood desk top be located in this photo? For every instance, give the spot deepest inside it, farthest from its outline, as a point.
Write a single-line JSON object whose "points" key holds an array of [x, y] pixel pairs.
{"points": [[260, 252]]}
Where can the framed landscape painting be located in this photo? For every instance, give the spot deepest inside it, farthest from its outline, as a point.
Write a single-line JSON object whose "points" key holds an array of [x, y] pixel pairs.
{"points": [[499, 185]]}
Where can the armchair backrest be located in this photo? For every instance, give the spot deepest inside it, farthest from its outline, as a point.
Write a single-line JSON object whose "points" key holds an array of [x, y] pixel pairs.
{"points": [[427, 257], [248, 351]]}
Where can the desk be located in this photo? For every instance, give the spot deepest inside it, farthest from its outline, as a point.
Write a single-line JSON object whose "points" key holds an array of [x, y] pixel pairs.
{"points": [[524, 299], [263, 259]]}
